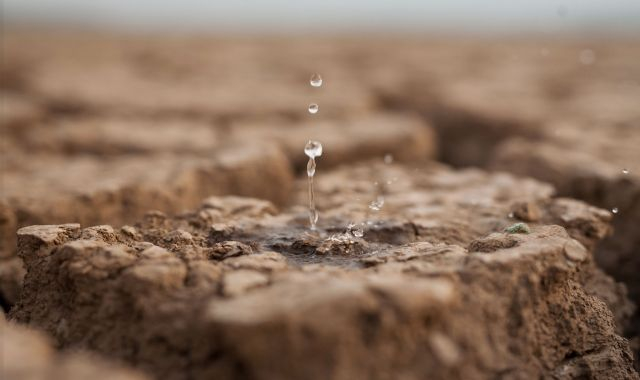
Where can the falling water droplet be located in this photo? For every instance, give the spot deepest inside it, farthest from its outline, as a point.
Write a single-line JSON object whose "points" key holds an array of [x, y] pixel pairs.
{"points": [[614, 210], [311, 168], [377, 204], [313, 108], [313, 149], [388, 158], [625, 171], [316, 80]]}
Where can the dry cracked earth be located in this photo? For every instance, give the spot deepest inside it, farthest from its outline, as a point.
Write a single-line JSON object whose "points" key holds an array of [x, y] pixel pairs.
{"points": [[153, 221]]}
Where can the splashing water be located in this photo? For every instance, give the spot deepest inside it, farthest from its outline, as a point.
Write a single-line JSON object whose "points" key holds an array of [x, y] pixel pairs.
{"points": [[313, 108], [377, 204], [614, 210], [313, 149], [316, 80], [355, 230], [625, 171]]}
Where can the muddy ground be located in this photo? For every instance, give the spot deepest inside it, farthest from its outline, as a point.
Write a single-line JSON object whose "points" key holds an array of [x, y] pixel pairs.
{"points": [[170, 176]]}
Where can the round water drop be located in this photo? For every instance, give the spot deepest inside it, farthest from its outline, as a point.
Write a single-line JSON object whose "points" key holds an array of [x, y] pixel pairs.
{"points": [[614, 210], [625, 171], [313, 149], [316, 80], [313, 108], [388, 158]]}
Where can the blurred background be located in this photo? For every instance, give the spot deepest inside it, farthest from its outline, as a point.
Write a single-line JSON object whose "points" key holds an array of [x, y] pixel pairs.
{"points": [[334, 16]]}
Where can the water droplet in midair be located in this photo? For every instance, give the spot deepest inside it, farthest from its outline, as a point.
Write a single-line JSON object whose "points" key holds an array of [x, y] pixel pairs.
{"points": [[313, 149], [311, 168], [316, 80], [614, 210], [625, 171], [313, 108], [388, 159], [377, 204], [587, 57]]}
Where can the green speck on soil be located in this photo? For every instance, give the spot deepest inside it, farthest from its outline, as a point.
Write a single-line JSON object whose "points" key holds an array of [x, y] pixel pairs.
{"points": [[518, 228]]}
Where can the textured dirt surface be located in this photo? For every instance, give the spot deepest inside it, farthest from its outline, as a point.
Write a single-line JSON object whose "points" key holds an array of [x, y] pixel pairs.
{"points": [[102, 129], [29, 355], [571, 124], [236, 289]]}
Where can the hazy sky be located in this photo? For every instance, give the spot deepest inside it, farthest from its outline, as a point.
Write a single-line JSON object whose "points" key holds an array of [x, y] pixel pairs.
{"points": [[334, 15]]}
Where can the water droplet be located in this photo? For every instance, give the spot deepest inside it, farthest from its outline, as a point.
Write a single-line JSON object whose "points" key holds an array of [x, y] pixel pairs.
{"points": [[377, 204], [355, 230], [587, 57], [614, 210], [511, 215], [313, 149], [625, 171], [313, 217], [313, 108], [388, 159], [316, 80], [311, 168]]}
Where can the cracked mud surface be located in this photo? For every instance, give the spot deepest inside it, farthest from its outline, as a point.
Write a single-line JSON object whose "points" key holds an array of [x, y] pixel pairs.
{"points": [[103, 130], [237, 289]]}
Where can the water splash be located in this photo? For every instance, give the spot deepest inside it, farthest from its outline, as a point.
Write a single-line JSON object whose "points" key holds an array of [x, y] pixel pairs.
{"points": [[313, 149], [355, 229], [313, 108], [376, 205], [615, 210], [316, 80], [625, 171]]}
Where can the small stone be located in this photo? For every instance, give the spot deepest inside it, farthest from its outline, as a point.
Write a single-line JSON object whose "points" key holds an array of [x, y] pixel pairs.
{"points": [[527, 211], [575, 251], [130, 231], [445, 349]]}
